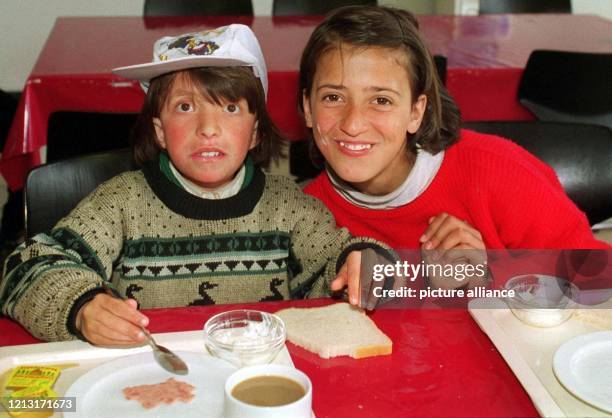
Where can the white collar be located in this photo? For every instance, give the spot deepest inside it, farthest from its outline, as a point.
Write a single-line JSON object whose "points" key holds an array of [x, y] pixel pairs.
{"points": [[227, 190], [421, 175]]}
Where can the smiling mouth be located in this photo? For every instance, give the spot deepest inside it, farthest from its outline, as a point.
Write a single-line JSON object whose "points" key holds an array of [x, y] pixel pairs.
{"points": [[354, 148]]}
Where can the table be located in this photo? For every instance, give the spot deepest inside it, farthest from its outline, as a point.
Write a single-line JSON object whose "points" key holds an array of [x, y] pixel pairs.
{"points": [[442, 365], [486, 55]]}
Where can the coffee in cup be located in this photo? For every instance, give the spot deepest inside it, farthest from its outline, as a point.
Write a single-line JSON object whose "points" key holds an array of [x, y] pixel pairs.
{"points": [[269, 390]]}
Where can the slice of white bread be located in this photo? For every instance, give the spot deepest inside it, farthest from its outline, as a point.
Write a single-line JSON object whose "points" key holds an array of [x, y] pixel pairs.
{"points": [[335, 330]]}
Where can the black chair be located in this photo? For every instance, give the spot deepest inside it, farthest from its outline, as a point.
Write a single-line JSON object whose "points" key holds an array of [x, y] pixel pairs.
{"points": [[312, 7], [568, 86], [53, 190], [580, 154], [525, 6], [198, 8], [70, 134], [12, 226], [8, 108], [300, 162]]}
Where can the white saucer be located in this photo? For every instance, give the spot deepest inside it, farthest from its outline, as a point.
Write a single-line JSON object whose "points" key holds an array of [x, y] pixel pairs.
{"points": [[99, 391], [583, 365]]}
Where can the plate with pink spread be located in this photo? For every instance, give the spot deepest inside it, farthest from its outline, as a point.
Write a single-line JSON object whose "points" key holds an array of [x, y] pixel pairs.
{"points": [[136, 386]]}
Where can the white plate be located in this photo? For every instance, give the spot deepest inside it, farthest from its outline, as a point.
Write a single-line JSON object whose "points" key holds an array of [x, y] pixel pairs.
{"points": [[99, 392], [584, 366]]}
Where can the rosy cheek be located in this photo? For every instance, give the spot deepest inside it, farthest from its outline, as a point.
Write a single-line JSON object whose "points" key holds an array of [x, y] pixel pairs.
{"points": [[323, 127], [391, 125], [176, 132], [245, 130]]}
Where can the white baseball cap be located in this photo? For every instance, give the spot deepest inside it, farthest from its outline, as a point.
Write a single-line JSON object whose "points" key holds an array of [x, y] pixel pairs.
{"points": [[227, 46]]}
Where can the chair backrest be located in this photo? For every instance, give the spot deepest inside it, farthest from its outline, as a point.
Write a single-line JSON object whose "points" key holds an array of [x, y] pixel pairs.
{"points": [[580, 154], [8, 107], [525, 6], [568, 86], [198, 8], [312, 7], [71, 133], [53, 190]]}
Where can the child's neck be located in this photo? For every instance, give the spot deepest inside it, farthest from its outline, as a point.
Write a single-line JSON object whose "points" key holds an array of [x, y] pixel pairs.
{"points": [[240, 180], [224, 191]]}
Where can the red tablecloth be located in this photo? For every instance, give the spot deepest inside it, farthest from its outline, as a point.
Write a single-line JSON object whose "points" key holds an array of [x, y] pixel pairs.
{"points": [[442, 365], [486, 55]]}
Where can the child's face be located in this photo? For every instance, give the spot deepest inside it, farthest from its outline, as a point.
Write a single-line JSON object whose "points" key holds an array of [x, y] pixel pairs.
{"points": [[207, 143], [360, 109]]}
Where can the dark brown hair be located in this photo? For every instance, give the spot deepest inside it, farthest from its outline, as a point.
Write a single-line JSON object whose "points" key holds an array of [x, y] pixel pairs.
{"points": [[215, 83], [385, 27]]}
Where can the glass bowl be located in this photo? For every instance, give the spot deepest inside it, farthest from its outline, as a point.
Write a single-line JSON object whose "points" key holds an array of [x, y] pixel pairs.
{"points": [[542, 301], [245, 337]]}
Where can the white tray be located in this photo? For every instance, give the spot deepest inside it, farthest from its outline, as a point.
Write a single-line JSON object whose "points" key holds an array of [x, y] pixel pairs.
{"points": [[529, 353], [88, 356]]}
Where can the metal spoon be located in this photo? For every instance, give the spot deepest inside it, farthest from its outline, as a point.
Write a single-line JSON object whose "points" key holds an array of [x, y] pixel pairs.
{"points": [[164, 357]]}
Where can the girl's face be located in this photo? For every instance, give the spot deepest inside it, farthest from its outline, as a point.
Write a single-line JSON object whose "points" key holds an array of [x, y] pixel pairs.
{"points": [[206, 142], [360, 109]]}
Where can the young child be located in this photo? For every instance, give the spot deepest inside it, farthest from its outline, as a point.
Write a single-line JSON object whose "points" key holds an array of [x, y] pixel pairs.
{"points": [[399, 169], [199, 224]]}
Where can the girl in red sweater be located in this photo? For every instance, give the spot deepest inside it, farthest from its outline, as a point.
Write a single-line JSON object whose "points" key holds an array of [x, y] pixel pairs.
{"points": [[398, 167]]}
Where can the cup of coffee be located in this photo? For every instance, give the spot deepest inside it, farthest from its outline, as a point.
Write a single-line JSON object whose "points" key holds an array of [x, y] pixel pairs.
{"points": [[268, 391]]}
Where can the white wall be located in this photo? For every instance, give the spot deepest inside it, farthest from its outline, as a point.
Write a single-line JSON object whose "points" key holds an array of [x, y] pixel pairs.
{"points": [[593, 7], [25, 25]]}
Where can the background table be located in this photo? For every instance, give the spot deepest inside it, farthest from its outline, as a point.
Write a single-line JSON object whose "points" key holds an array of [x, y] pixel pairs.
{"points": [[442, 365], [486, 55]]}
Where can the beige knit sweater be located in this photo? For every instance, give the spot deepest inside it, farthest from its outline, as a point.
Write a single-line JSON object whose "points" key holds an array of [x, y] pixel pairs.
{"points": [[165, 247]]}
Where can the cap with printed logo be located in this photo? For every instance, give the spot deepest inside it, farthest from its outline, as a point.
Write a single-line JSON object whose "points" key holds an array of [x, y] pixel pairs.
{"points": [[227, 46]]}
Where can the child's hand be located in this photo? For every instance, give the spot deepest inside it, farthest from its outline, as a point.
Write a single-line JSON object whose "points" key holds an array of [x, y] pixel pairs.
{"points": [[446, 232], [109, 321], [349, 276], [448, 240]]}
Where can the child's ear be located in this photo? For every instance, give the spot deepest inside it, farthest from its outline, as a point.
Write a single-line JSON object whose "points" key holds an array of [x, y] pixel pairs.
{"points": [[159, 132], [255, 136], [306, 106], [416, 114]]}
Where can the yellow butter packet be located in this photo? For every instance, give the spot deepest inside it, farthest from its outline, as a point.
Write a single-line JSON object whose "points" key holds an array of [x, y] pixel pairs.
{"points": [[34, 392], [51, 393], [30, 392], [32, 376]]}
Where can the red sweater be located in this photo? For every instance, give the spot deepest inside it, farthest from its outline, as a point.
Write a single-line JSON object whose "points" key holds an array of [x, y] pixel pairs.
{"points": [[511, 197]]}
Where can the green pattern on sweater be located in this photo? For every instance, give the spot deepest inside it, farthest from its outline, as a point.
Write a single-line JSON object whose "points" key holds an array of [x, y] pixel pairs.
{"points": [[274, 242]]}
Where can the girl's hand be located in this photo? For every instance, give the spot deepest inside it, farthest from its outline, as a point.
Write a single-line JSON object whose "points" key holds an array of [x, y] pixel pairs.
{"points": [[448, 240], [446, 232], [109, 321]]}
